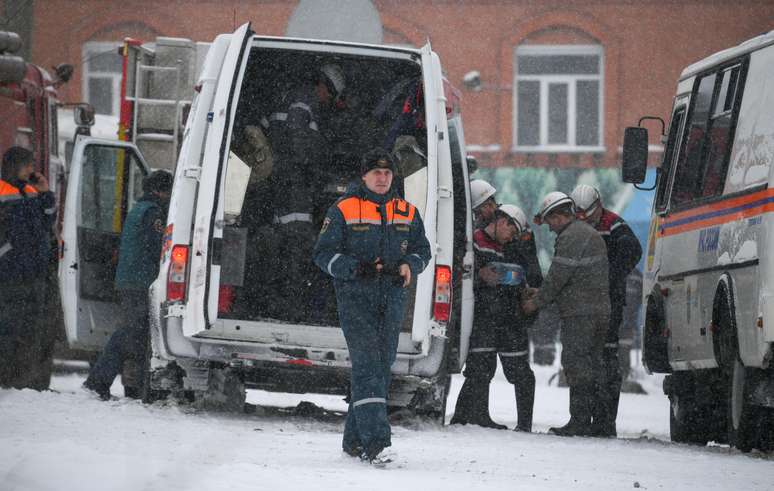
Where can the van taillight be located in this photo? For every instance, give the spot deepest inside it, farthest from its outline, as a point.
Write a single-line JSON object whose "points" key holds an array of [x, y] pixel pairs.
{"points": [[443, 293], [225, 298], [178, 271]]}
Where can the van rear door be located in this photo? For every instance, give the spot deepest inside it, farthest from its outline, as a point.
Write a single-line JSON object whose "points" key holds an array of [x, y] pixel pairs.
{"points": [[104, 183], [201, 307]]}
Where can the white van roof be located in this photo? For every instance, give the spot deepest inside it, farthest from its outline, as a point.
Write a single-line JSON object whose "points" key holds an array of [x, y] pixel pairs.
{"points": [[386, 47], [748, 46]]}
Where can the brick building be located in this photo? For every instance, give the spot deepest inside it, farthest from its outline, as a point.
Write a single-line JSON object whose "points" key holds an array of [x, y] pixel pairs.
{"points": [[560, 79]]}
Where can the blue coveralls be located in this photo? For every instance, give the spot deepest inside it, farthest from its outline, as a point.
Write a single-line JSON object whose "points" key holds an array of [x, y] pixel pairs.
{"points": [[361, 227]]}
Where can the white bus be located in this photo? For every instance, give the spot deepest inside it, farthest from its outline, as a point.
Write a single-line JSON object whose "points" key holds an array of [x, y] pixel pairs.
{"points": [[709, 272]]}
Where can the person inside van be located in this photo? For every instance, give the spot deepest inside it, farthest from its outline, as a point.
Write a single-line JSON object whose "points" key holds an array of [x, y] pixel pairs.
{"points": [[299, 150], [138, 267], [27, 213], [499, 328]]}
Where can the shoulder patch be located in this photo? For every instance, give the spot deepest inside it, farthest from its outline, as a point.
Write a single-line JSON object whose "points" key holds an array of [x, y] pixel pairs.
{"points": [[158, 225]]}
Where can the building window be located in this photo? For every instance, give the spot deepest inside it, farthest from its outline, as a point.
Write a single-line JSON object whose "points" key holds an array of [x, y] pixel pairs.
{"points": [[102, 76], [558, 98]]}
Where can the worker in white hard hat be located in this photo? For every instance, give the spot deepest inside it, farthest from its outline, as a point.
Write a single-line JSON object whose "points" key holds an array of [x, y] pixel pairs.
{"points": [[623, 254], [499, 328], [483, 202], [577, 282]]}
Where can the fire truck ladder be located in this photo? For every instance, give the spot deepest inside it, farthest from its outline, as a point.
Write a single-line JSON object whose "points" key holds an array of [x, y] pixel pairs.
{"points": [[177, 102]]}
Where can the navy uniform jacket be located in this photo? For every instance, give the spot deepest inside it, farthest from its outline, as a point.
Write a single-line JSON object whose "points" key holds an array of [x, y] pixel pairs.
{"points": [[623, 253], [363, 226], [26, 220]]}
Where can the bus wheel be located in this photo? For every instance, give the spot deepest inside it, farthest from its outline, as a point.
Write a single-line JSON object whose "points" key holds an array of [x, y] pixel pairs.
{"points": [[741, 416]]}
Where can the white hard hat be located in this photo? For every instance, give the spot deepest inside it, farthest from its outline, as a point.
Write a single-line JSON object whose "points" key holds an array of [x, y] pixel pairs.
{"points": [[585, 197], [480, 191], [335, 76], [516, 214], [553, 200]]}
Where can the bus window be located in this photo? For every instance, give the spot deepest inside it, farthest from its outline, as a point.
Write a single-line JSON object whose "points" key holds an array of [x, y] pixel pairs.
{"points": [[669, 154], [720, 134], [689, 163]]}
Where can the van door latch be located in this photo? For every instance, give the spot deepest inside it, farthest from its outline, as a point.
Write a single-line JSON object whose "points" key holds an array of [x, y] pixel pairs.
{"points": [[192, 173], [444, 192]]}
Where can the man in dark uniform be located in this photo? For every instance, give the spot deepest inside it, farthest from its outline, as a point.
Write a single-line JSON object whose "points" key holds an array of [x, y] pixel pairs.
{"points": [[623, 254], [27, 213], [300, 152], [499, 328], [373, 244], [138, 266], [577, 282]]}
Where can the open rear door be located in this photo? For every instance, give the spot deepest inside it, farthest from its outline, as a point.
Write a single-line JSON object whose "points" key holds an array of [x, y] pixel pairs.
{"points": [[202, 305], [104, 183]]}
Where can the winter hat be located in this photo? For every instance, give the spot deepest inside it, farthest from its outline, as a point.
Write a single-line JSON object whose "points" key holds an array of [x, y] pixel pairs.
{"points": [[377, 159], [159, 181]]}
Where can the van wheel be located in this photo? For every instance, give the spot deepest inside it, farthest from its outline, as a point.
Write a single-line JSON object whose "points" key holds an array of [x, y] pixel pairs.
{"points": [[225, 391], [430, 403], [147, 393], [686, 419]]}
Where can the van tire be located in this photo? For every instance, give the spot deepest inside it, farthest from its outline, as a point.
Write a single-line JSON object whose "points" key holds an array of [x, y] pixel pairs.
{"points": [[686, 419], [147, 393], [225, 391]]}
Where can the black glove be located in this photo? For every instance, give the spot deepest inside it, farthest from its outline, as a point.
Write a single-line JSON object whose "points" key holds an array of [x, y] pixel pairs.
{"points": [[367, 270]]}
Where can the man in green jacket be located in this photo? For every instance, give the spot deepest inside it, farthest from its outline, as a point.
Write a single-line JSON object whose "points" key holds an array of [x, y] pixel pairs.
{"points": [[578, 283], [138, 266]]}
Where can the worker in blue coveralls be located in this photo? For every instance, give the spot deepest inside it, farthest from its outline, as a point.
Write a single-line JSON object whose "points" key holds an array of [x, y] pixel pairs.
{"points": [[373, 244]]}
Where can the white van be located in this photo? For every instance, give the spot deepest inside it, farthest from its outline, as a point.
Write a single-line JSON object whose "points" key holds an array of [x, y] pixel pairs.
{"points": [[203, 330], [709, 274]]}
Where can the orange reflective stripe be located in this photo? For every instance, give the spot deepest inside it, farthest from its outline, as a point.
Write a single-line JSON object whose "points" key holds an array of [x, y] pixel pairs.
{"points": [[399, 210], [356, 210], [8, 192], [31, 191]]}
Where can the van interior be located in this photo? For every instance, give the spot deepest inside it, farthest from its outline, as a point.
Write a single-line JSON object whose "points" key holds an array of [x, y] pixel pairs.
{"points": [[266, 275]]}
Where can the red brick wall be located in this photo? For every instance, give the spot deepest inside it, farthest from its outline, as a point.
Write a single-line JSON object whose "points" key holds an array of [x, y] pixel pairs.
{"points": [[646, 43]]}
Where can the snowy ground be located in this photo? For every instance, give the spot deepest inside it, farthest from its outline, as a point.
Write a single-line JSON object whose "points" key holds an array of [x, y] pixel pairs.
{"points": [[67, 440]]}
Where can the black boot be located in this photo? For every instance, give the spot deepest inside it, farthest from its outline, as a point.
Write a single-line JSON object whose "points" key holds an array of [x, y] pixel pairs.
{"points": [[580, 414], [464, 407], [473, 405], [605, 415], [525, 400]]}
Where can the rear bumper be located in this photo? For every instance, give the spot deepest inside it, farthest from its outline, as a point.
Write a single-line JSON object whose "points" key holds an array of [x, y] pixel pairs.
{"points": [[171, 345]]}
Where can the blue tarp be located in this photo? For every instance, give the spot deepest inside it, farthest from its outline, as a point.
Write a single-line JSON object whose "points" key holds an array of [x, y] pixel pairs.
{"points": [[637, 212]]}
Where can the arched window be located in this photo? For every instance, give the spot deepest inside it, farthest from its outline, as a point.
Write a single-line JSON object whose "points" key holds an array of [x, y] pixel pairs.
{"points": [[558, 96]]}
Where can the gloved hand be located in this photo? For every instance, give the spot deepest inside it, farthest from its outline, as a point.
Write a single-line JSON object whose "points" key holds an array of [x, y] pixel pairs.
{"points": [[369, 270]]}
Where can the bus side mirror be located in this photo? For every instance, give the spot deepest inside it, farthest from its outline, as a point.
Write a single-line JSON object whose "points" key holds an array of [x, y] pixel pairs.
{"points": [[635, 155], [472, 164]]}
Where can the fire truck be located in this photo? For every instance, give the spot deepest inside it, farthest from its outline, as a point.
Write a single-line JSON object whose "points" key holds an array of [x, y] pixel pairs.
{"points": [[29, 104]]}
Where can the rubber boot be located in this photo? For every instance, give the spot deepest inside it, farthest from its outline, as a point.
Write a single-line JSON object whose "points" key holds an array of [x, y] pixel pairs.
{"points": [[580, 414], [473, 405], [525, 400], [603, 425], [464, 407]]}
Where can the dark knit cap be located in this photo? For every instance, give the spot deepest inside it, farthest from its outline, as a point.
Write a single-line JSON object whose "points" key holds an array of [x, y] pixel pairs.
{"points": [[377, 159]]}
